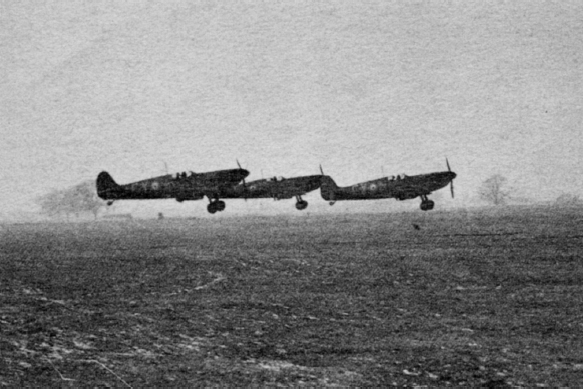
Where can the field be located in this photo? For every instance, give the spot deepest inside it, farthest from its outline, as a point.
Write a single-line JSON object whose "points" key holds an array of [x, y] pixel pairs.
{"points": [[467, 298]]}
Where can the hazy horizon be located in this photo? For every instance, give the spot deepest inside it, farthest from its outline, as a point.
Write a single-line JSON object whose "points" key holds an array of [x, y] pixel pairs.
{"points": [[361, 89]]}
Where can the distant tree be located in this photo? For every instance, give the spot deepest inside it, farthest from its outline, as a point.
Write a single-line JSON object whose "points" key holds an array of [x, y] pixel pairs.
{"points": [[493, 190], [567, 200], [78, 199], [86, 199], [50, 203]]}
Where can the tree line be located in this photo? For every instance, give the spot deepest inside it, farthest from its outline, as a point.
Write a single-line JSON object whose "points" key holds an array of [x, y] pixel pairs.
{"points": [[76, 200], [495, 191]]}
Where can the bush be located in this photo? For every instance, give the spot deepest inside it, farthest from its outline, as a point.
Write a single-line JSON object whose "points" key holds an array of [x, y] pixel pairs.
{"points": [[78, 199]]}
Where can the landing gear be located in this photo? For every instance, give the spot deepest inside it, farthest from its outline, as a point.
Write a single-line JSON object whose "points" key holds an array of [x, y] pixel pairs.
{"points": [[110, 202], [216, 206], [426, 204], [301, 204]]}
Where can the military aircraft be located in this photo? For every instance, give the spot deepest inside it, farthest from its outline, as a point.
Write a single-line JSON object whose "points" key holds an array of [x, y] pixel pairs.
{"points": [[278, 188], [180, 186], [400, 187]]}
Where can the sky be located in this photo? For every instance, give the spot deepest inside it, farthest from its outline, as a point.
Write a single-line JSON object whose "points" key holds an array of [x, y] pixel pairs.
{"points": [[365, 89]]}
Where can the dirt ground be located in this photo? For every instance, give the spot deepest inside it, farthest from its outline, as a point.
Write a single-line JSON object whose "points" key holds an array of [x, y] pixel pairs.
{"points": [[410, 299]]}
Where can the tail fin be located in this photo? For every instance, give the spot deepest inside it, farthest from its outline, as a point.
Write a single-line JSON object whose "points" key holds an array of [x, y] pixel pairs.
{"points": [[328, 188], [106, 186]]}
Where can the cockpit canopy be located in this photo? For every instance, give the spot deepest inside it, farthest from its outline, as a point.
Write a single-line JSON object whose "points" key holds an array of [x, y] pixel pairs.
{"points": [[276, 178], [178, 176], [398, 177]]}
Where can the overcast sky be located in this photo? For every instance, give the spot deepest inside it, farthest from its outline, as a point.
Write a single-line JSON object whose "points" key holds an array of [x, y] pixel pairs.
{"points": [[359, 87]]}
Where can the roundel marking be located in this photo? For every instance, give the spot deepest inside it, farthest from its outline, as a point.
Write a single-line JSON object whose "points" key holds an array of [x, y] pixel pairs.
{"points": [[155, 185], [252, 188], [373, 187]]}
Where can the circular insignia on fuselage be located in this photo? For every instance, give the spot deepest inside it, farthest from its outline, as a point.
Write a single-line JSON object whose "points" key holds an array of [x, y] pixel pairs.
{"points": [[373, 187], [155, 185], [252, 188]]}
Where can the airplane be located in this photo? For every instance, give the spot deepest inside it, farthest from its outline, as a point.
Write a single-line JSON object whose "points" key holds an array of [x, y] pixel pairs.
{"points": [[180, 186], [400, 187], [278, 188]]}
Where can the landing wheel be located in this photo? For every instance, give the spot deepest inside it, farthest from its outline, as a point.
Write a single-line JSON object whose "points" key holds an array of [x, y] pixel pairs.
{"points": [[427, 205], [301, 205], [220, 205], [212, 207]]}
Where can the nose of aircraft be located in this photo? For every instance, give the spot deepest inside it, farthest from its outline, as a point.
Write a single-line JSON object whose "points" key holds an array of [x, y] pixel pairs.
{"points": [[244, 172], [447, 176]]}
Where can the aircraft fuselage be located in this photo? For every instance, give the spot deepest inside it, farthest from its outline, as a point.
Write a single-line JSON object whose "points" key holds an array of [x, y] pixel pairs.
{"points": [[283, 188], [181, 186], [407, 187]]}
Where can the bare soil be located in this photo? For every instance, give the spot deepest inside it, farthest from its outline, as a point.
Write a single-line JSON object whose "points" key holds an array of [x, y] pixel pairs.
{"points": [[468, 298]]}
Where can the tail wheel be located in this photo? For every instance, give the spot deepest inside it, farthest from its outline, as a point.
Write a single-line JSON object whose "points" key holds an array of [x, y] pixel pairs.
{"points": [[301, 205]]}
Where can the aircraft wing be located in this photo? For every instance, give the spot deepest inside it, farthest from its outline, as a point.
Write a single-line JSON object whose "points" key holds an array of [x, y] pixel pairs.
{"points": [[415, 186], [213, 183], [296, 186]]}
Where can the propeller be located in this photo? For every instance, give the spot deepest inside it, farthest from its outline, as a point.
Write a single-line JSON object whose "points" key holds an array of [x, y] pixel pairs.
{"points": [[244, 183], [321, 170], [451, 182]]}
